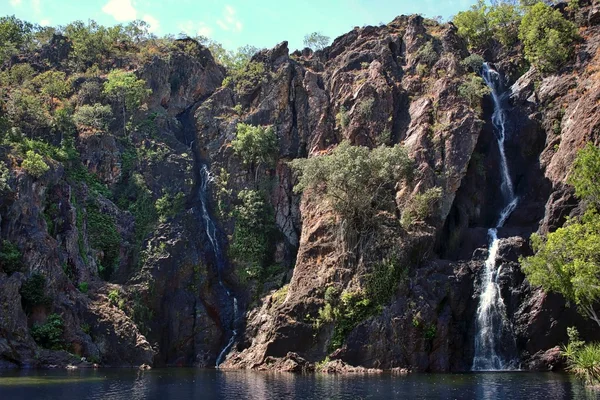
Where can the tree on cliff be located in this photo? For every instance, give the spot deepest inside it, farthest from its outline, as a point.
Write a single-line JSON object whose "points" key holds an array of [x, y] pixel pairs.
{"points": [[355, 180], [548, 37], [568, 260], [127, 89], [316, 41]]}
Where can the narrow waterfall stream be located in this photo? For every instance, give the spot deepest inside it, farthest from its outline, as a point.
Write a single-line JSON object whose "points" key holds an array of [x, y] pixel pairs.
{"points": [[211, 232], [494, 337]]}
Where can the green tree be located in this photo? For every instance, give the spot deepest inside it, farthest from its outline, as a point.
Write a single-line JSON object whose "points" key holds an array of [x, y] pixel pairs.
{"points": [[96, 117], [127, 89], [53, 84], [473, 24], [567, 261], [28, 112], [34, 164], [355, 180], [11, 259], [473, 90], [49, 335], [256, 146], [504, 19], [316, 41], [15, 34], [548, 37]]}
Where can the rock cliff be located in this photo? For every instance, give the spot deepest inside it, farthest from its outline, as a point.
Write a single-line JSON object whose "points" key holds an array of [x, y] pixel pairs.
{"points": [[169, 299]]}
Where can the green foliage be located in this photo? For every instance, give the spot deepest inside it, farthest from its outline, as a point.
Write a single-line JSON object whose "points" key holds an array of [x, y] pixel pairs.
{"points": [[548, 37], [127, 89], [27, 112], [427, 54], [473, 62], [49, 335], [582, 359], [115, 298], [53, 84], [383, 281], [421, 207], [83, 287], [81, 174], [342, 118], [34, 164], [316, 41], [168, 206], [473, 90], [104, 237], [33, 292], [19, 74], [14, 36], [133, 195], [4, 178], [355, 180], [247, 77], [11, 259], [96, 117], [473, 24], [568, 260], [481, 23], [256, 145], [584, 175], [353, 308], [365, 108], [254, 229], [90, 92]]}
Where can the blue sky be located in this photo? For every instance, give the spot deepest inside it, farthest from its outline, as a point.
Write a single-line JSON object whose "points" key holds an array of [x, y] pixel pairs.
{"points": [[262, 23]]}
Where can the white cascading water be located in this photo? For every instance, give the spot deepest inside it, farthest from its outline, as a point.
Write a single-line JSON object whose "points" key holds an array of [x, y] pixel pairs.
{"points": [[211, 232], [493, 328]]}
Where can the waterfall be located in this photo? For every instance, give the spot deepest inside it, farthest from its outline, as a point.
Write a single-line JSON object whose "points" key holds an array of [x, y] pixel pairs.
{"points": [[494, 338], [211, 232]]}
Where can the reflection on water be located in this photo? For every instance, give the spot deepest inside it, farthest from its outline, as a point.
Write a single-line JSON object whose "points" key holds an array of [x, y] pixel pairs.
{"points": [[240, 385]]}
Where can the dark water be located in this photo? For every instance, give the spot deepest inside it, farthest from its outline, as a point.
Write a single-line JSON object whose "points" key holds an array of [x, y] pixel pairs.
{"points": [[206, 384]]}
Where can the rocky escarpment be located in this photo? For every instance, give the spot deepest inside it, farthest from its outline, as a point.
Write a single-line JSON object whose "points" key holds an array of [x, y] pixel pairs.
{"points": [[169, 301]]}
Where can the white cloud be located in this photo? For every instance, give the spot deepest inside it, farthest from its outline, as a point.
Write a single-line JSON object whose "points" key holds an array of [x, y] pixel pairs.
{"points": [[230, 22], [120, 10], [191, 28], [153, 23], [15, 3], [45, 22]]}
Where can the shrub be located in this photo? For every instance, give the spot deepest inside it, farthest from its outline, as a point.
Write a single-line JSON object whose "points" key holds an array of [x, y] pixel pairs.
{"points": [[90, 92], [83, 287], [421, 206], [127, 89], [473, 90], [11, 259], [168, 206], [353, 308], [355, 180], [342, 118], [474, 62], [27, 112], [49, 335], [383, 281], [254, 227], [4, 178], [53, 84], [114, 297], [365, 108], [33, 292], [582, 359], [256, 145], [96, 117], [548, 37], [427, 54], [34, 164], [584, 175], [104, 236]]}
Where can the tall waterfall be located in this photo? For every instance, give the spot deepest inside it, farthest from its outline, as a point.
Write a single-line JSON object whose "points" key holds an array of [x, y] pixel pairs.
{"points": [[494, 338], [211, 232]]}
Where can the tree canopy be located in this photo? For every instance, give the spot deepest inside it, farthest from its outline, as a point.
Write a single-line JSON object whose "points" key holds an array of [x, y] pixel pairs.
{"points": [[567, 261]]}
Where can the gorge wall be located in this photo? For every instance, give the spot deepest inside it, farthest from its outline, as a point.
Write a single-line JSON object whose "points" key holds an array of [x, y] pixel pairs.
{"points": [[169, 301]]}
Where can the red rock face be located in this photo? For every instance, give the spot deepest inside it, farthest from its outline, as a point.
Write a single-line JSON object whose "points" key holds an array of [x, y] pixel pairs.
{"points": [[373, 86]]}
